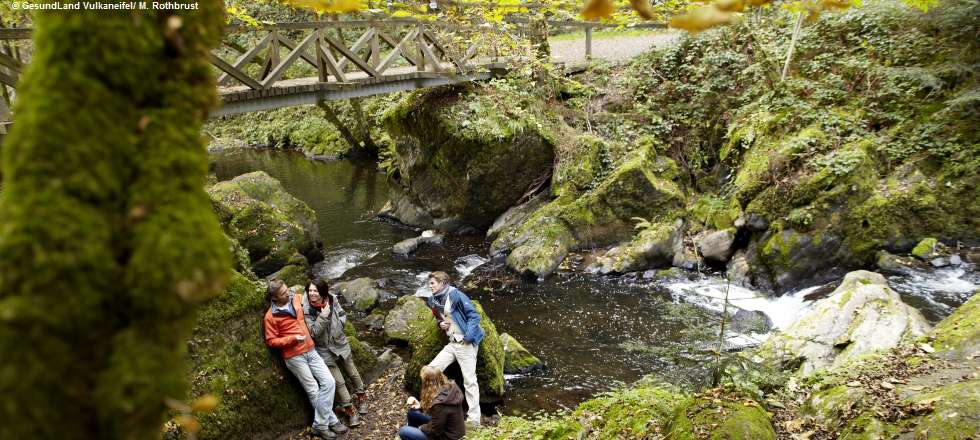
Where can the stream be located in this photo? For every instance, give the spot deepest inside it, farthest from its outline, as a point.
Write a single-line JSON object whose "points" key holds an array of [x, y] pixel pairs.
{"points": [[595, 333]]}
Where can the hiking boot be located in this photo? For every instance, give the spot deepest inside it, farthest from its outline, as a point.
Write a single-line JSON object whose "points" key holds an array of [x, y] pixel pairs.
{"points": [[352, 418], [323, 433], [338, 427], [362, 403]]}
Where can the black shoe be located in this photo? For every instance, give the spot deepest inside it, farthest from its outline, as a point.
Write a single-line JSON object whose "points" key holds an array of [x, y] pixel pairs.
{"points": [[339, 428], [324, 434]]}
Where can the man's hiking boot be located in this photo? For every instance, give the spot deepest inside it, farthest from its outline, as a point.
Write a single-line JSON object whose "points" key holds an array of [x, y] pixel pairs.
{"points": [[323, 433], [338, 427], [361, 400], [352, 418]]}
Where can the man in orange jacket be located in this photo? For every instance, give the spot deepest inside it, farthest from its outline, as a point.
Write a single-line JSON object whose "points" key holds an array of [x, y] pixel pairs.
{"points": [[286, 330]]}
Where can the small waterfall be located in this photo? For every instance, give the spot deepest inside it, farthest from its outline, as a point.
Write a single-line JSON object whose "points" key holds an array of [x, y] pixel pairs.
{"points": [[335, 264], [709, 292], [466, 265]]}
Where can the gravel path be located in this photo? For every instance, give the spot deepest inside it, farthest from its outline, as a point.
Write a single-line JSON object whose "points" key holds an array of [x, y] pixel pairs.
{"points": [[612, 49]]}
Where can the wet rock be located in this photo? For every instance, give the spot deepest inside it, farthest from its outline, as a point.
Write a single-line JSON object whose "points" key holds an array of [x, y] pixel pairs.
{"points": [[467, 230], [939, 262], [375, 322], [362, 293], [641, 186], [892, 264], [782, 260], [861, 316], [409, 320], [738, 270], [516, 215], [653, 247], [449, 174], [756, 222], [517, 360], [750, 321], [410, 245], [268, 222], [686, 259], [717, 246], [926, 249]]}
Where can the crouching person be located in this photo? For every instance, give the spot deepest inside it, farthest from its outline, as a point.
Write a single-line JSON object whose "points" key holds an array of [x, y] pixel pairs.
{"points": [[442, 403], [285, 329], [325, 319]]}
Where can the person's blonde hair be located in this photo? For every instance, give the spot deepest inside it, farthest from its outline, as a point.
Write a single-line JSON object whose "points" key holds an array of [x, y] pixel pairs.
{"points": [[432, 382], [440, 276]]}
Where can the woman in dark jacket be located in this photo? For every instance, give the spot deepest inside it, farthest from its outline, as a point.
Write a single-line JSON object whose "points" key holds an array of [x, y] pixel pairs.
{"points": [[442, 400]]}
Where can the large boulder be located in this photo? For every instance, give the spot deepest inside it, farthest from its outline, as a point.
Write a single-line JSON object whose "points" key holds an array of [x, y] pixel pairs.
{"points": [[489, 364], [409, 321], [458, 167], [640, 186], [861, 316], [362, 293], [654, 247], [717, 246], [517, 360], [726, 417], [271, 224]]}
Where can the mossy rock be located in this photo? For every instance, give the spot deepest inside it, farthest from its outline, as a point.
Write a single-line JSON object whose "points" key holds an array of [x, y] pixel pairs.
{"points": [[861, 316], [409, 321], [456, 166], [640, 186], [517, 359], [721, 419], [294, 274], [362, 293], [228, 358], [959, 333], [653, 247], [489, 365], [364, 358], [579, 163], [643, 410], [559, 427], [926, 248], [270, 223]]}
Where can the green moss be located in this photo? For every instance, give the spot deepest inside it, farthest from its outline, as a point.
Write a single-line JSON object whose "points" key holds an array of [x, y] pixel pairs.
{"points": [[640, 411], [517, 359], [102, 201], [490, 358], [722, 418], [559, 427], [925, 248], [229, 359], [956, 412], [961, 330], [364, 358]]}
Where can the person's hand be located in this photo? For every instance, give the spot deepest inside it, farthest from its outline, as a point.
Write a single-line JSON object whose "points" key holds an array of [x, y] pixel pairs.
{"points": [[300, 338], [412, 402], [444, 325]]}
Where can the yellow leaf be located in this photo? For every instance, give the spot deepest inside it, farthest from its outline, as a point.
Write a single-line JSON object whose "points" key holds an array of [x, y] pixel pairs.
{"points": [[205, 403], [328, 6], [730, 5], [188, 423], [701, 19], [597, 9], [642, 8]]}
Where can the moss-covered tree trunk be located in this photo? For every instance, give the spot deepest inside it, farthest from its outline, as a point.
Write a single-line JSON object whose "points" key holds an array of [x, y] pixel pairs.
{"points": [[107, 239]]}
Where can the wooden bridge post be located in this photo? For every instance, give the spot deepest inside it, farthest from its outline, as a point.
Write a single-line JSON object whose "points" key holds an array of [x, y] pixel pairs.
{"points": [[420, 40], [588, 43], [272, 61], [375, 58], [321, 64]]}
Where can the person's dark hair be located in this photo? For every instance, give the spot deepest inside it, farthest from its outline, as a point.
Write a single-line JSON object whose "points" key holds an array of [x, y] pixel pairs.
{"points": [[440, 276], [273, 287], [322, 287]]}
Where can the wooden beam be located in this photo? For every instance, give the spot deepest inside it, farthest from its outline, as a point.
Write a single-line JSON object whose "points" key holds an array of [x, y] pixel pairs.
{"points": [[15, 33], [247, 57], [461, 65], [358, 45], [235, 73], [329, 62], [277, 72], [10, 63], [290, 44], [364, 66], [399, 50]]}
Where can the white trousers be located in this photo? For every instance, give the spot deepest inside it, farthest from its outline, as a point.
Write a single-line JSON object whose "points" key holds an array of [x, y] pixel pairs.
{"points": [[465, 355]]}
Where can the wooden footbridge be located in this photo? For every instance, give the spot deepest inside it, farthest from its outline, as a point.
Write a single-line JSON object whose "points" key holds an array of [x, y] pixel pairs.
{"points": [[288, 64]]}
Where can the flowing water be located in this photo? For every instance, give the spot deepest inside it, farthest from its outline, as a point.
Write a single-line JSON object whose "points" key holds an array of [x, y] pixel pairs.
{"points": [[594, 333]]}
